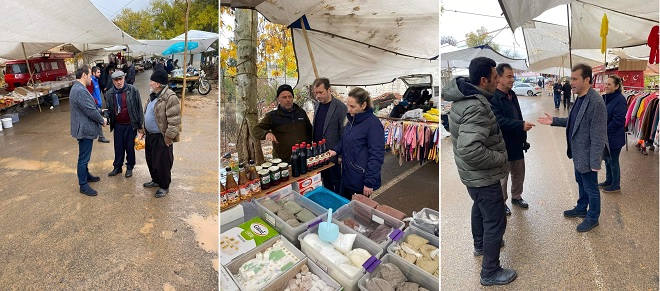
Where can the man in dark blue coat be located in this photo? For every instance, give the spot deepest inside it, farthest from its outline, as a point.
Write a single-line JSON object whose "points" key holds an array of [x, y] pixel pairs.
{"points": [[514, 129]]}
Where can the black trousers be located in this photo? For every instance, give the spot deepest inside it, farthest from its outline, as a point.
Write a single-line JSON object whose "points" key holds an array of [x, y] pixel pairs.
{"points": [[567, 100], [160, 159], [332, 178], [124, 141], [488, 225]]}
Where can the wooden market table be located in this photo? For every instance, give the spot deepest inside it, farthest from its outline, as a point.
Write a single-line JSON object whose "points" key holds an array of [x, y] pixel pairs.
{"points": [[284, 184]]}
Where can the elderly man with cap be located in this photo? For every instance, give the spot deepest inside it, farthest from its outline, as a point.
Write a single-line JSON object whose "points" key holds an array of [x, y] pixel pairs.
{"points": [[162, 120], [126, 118], [285, 126]]}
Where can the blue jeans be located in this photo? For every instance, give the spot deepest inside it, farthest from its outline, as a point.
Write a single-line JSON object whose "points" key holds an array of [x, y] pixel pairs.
{"points": [[557, 99], [84, 154], [613, 171], [589, 194]]}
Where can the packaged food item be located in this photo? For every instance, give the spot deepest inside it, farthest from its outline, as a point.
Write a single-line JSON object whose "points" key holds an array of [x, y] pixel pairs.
{"points": [[266, 266], [292, 207], [305, 215], [358, 257], [285, 215], [379, 234], [243, 238], [344, 242], [306, 280]]}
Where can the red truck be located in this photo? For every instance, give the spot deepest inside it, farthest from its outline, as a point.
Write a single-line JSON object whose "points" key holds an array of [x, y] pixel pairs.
{"points": [[44, 69]]}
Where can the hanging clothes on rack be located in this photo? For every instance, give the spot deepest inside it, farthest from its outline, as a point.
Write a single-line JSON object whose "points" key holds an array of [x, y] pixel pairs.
{"points": [[411, 140]]}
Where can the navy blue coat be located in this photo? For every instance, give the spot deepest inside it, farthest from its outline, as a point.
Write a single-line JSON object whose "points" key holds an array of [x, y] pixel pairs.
{"points": [[511, 127], [362, 147], [616, 118]]}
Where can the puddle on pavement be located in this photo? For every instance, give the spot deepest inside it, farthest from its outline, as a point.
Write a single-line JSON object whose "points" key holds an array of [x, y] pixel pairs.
{"points": [[148, 226], [32, 165], [206, 233], [168, 287]]}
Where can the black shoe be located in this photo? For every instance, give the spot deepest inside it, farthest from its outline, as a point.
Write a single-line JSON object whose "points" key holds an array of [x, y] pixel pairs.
{"points": [[586, 225], [520, 203], [129, 173], [103, 139], [478, 252], [501, 277], [91, 178], [575, 213], [161, 192], [150, 184], [610, 189], [603, 185], [507, 211], [114, 172], [85, 189]]}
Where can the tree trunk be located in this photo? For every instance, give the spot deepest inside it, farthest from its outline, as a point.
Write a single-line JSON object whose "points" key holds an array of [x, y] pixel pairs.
{"points": [[246, 85]]}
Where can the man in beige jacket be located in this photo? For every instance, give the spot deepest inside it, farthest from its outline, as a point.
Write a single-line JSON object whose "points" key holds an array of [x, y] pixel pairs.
{"points": [[161, 126]]}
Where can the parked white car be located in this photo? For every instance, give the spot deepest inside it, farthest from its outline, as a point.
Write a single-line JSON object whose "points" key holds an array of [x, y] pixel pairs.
{"points": [[526, 89]]}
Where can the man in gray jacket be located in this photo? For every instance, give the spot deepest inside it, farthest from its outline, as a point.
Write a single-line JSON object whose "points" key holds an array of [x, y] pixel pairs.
{"points": [[586, 136], [481, 159], [86, 123], [329, 120]]}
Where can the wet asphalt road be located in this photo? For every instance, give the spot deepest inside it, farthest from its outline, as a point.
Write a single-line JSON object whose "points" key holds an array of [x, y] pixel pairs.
{"points": [[543, 246], [53, 237]]}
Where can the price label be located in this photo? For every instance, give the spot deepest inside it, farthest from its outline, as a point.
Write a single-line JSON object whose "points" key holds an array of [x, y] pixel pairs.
{"points": [[269, 219], [322, 266], [377, 219]]}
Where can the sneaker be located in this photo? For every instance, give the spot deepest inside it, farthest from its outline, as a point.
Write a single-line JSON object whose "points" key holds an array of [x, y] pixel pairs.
{"points": [[520, 203], [507, 211], [611, 189], [586, 225], [85, 189], [478, 252], [575, 213], [501, 277]]}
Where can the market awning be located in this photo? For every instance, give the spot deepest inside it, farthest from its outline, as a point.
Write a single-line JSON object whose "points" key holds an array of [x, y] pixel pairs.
{"points": [[360, 43], [461, 58], [547, 48], [630, 21], [156, 47]]}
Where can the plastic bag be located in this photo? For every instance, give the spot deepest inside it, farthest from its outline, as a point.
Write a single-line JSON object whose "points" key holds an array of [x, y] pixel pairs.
{"points": [[358, 257], [344, 242]]}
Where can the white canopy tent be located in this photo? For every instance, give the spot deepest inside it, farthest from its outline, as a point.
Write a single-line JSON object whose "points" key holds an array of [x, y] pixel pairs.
{"points": [[156, 47], [547, 48], [630, 21], [461, 58], [359, 43], [42, 25]]}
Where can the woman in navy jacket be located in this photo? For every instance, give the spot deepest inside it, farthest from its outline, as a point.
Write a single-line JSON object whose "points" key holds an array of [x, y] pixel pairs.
{"points": [[362, 147], [616, 116]]}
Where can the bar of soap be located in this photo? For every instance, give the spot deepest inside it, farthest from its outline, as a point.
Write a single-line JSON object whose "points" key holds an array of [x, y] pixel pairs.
{"points": [[292, 207], [378, 284], [293, 222], [285, 215], [305, 215]]}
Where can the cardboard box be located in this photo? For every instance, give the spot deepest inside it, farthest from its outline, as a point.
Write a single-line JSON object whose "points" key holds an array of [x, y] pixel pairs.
{"points": [[244, 238], [305, 183], [310, 188], [282, 191]]}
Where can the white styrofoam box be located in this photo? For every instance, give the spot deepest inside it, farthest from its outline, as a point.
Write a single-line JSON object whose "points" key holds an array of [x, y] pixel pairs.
{"points": [[291, 233], [364, 214], [433, 240], [350, 283], [412, 274], [236, 264]]}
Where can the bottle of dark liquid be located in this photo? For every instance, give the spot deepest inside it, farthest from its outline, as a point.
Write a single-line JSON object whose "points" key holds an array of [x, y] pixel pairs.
{"points": [[302, 156], [295, 163], [310, 155], [315, 156]]}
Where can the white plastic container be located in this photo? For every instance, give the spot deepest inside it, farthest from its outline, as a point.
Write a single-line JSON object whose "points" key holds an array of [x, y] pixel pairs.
{"points": [[6, 122], [427, 227], [413, 274], [282, 281], [363, 214], [291, 233], [350, 283], [236, 264], [433, 240]]}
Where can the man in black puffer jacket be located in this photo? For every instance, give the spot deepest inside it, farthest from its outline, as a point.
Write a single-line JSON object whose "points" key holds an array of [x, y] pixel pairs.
{"points": [[481, 159]]}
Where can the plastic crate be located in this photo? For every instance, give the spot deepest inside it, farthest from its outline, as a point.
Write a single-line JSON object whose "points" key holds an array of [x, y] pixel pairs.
{"points": [[236, 264], [430, 228], [282, 281], [291, 233], [414, 275], [364, 215], [433, 240], [350, 283], [326, 198]]}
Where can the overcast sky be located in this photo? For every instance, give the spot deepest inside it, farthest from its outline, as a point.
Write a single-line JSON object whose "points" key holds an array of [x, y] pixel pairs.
{"points": [[113, 7], [457, 24]]}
